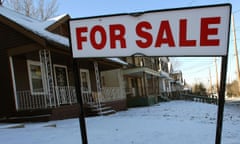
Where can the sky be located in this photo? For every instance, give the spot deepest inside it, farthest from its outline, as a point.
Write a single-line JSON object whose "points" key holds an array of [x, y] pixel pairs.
{"points": [[195, 70]]}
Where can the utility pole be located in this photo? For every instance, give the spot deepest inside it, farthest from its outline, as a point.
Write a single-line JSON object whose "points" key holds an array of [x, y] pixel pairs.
{"points": [[217, 88], [210, 81], [236, 51]]}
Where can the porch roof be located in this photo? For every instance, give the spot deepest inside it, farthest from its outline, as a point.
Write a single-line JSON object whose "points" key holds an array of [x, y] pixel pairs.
{"points": [[165, 75], [139, 70], [117, 60]]}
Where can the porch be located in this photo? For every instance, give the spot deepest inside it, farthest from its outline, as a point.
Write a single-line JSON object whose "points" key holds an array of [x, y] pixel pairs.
{"points": [[142, 86], [64, 95]]}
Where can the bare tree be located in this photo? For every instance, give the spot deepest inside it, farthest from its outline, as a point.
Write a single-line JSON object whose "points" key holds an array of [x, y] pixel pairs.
{"points": [[34, 8]]}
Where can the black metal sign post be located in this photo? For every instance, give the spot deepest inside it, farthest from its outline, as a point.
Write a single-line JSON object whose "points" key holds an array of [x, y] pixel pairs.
{"points": [[221, 100], [81, 117]]}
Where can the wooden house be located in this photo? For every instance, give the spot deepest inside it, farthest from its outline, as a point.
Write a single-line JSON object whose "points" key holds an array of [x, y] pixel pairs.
{"points": [[147, 81], [37, 78]]}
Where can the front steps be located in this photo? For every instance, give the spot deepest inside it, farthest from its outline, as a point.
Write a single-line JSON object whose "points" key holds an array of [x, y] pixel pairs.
{"points": [[98, 110], [28, 116]]}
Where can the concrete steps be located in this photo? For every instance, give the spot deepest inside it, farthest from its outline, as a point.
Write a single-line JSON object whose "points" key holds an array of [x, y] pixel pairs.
{"points": [[98, 110]]}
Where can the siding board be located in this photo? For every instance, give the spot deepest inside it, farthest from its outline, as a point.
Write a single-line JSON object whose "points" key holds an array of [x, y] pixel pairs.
{"points": [[11, 38], [7, 104]]}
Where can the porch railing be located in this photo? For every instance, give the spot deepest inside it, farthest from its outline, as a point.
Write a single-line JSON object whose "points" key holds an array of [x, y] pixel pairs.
{"points": [[26, 100], [111, 94], [107, 94], [63, 95]]}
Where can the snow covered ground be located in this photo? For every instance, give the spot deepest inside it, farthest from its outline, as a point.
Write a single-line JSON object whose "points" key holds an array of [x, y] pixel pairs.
{"points": [[181, 122]]}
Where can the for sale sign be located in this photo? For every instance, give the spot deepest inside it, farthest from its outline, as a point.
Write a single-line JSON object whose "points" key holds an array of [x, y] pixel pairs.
{"points": [[196, 31]]}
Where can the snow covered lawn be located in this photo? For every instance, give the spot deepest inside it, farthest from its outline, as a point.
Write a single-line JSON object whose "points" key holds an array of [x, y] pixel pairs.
{"points": [[181, 122]]}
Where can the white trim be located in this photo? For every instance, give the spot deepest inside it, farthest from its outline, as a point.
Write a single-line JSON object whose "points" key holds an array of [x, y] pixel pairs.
{"points": [[60, 66], [13, 82], [30, 62]]}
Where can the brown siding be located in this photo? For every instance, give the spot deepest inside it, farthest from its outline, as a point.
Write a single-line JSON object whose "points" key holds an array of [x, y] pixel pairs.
{"points": [[11, 38], [21, 73], [62, 30], [7, 105], [66, 61]]}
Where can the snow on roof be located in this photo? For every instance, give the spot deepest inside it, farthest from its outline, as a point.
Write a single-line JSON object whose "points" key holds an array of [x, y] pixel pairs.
{"points": [[40, 28], [117, 60], [52, 20], [34, 25], [176, 72]]}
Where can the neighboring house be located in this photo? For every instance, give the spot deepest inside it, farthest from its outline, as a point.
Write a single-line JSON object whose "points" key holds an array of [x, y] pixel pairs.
{"points": [[177, 83], [165, 68], [37, 71], [142, 80]]}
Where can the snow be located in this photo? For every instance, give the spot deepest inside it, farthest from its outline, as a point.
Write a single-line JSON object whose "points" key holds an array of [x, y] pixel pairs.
{"points": [[182, 122], [34, 25], [117, 60]]}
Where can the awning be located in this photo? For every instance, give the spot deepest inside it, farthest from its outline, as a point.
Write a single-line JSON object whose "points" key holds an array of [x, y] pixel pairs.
{"points": [[165, 75], [138, 71]]}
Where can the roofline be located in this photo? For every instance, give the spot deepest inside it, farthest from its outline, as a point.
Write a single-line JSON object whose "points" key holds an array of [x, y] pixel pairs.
{"points": [[23, 30], [30, 34], [58, 22]]}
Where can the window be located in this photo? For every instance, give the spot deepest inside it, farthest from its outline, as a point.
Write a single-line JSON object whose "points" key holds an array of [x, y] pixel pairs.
{"points": [[35, 77], [61, 75]]}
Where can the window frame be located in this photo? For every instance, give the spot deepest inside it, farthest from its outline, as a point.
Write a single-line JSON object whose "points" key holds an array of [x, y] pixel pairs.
{"points": [[66, 71], [35, 63]]}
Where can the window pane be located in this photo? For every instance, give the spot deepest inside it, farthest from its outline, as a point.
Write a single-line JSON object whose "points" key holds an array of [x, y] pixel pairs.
{"points": [[36, 76], [37, 85], [61, 76]]}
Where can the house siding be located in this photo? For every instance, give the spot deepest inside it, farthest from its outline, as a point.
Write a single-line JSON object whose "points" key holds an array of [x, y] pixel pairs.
{"points": [[21, 73], [7, 105], [11, 38]]}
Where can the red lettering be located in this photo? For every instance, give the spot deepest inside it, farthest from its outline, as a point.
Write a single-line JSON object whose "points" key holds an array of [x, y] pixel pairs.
{"points": [[114, 36], [206, 31], [165, 27], [143, 34], [98, 45], [183, 42], [79, 37]]}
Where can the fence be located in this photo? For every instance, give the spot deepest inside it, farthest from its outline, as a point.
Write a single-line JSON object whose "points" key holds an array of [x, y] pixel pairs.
{"points": [[205, 99]]}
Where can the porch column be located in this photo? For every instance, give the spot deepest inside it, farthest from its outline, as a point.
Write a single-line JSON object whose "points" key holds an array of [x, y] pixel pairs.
{"points": [[46, 66], [13, 82], [99, 89], [145, 83]]}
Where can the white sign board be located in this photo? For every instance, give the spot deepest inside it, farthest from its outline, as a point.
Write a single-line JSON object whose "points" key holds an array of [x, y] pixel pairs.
{"points": [[197, 31]]}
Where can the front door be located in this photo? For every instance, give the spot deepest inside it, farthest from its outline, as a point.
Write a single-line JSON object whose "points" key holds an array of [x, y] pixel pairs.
{"points": [[61, 82], [85, 86]]}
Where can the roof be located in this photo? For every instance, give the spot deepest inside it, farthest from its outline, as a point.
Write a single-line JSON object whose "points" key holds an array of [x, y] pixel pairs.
{"points": [[139, 70], [40, 27], [177, 72], [35, 26], [117, 60]]}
